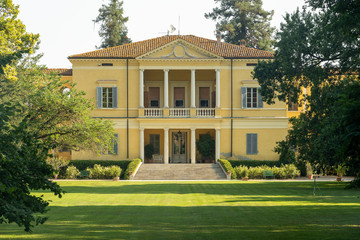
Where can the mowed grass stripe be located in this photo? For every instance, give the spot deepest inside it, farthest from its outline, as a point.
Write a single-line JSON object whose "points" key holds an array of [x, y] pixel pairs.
{"points": [[198, 210]]}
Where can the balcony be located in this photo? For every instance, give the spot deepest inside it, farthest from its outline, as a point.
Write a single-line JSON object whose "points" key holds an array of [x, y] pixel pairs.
{"points": [[178, 112]]}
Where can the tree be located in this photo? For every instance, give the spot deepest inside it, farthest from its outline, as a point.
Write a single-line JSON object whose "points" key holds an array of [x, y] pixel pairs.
{"points": [[318, 49], [112, 24], [244, 19], [35, 118]]}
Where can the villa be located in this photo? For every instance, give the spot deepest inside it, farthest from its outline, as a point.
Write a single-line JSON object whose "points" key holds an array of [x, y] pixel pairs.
{"points": [[171, 91]]}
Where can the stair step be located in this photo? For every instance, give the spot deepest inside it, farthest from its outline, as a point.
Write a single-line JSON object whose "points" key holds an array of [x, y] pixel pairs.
{"points": [[180, 172]]}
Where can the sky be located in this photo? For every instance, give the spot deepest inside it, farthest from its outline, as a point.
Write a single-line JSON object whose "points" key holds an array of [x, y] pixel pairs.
{"points": [[66, 27]]}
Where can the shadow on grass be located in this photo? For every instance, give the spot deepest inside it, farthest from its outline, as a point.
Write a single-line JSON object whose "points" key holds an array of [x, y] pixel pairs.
{"points": [[214, 188], [196, 222]]}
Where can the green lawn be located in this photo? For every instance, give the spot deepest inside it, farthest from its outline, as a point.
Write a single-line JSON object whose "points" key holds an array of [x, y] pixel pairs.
{"points": [[198, 210]]}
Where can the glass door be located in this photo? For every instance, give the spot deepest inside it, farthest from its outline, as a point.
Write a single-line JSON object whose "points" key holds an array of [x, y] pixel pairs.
{"points": [[179, 147]]}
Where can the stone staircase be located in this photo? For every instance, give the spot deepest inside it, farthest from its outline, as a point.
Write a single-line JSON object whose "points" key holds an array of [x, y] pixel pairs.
{"points": [[180, 172]]}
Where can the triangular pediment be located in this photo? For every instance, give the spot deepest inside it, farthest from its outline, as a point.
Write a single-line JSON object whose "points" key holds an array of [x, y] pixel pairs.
{"points": [[179, 49]]}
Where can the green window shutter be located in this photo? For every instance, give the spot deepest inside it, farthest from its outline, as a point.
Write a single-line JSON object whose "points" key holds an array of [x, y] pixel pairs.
{"points": [[99, 97], [260, 101], [115, 97], [254, 144], [251, 143], [248, 143], [243, 97]]}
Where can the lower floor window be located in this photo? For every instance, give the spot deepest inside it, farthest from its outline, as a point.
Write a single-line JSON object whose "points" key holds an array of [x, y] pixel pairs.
{"points": [[115, 147], [251, 143], [155, 142]]}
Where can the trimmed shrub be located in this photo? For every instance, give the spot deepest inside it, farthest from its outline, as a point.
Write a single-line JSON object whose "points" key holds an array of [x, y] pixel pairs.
{"points": [[256, 172], [290, 171], [100, 172], [279, 172], [97, 172], [241, 172], [112, 172], [131, 168], [84, 164], [227, 167], [71, 172], [254, 163]]}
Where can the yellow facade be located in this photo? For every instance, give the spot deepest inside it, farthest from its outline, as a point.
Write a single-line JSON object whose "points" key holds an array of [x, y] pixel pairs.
{"points": [[186, 67]]}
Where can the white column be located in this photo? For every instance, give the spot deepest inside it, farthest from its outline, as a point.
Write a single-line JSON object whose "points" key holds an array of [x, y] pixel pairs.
{"points": [[166, 88], [141, 89], [193, 146], [217, 144], [217, 88], [166, 145], [142, 157], [193, 88]]}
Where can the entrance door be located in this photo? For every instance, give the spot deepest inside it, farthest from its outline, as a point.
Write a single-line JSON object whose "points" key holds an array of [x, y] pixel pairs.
{"points": [[179, 147]]}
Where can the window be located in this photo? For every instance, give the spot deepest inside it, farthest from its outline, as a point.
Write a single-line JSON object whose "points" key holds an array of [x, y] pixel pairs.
{"points": [[204, 103], [293, 106], [107, 97], [251, 98], [251, 143], [179, 103], [154, 103], [115, 147], [155, 142]]}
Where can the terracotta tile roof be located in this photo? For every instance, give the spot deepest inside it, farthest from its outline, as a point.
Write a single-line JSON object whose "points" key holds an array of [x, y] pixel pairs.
{"points": [[60, 71], [133, 50]]}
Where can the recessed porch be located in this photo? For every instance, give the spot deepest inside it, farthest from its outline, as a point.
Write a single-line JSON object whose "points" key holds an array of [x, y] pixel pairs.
{"points": [[181, 146], [179, 93]]}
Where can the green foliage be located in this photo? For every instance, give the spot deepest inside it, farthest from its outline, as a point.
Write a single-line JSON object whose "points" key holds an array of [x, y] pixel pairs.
{"points": [[244, 19], [112, 24], [227, 167], [131, 168], [149, 151], [318, 48], [254, 163], [57, 162], [71, 172], [100, 172], [206, 146], [241, 172], [84, 164], [285, 171], [256, 172], [287, 155]]}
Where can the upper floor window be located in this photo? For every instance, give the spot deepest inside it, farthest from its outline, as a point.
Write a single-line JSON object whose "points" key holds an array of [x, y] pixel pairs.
{"points": [[251, 97], [107, 97]]}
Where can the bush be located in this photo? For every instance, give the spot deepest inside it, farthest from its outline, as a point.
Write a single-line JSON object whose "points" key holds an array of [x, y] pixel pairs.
{"points": [[279, 172], [57, 163], [100, 172], [242, 171], [254, 163], [71, 172], [149, 151], [112, 172], [290, 171], [82, 165], [97, 172], [227, 167], [131, 168], [256, 172]]}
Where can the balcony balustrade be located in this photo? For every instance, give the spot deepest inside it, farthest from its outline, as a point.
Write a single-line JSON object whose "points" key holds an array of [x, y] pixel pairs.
{"points": [[179, 112], [205, 112], [153, 112]]}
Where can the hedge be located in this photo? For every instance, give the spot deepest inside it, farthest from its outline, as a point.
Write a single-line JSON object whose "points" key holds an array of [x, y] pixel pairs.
{"points": [[227, 167], [84, 164], [131, 168], [254, 163]]}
